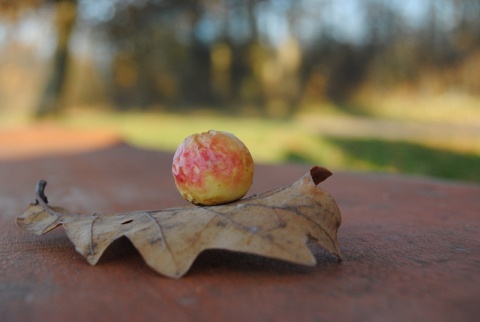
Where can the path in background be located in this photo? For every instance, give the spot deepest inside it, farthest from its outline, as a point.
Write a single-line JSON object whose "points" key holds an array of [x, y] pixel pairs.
{"points": [[457, 137], [357, 127]]}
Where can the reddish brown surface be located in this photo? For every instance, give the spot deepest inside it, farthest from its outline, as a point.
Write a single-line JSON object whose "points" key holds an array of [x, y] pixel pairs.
{"points": [[411, 249]]}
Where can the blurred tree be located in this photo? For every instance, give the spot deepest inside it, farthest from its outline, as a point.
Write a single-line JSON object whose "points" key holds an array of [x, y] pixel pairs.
{"points": [[65, 16], [229, 55], [268, 54]]}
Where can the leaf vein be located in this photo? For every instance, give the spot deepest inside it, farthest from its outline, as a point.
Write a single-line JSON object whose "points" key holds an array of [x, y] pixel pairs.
{"points": [[162, 236], [246, 229], [92, 251]]}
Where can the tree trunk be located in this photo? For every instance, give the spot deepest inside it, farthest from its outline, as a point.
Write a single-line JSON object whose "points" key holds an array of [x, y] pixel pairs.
{"points": [[65, 16]]}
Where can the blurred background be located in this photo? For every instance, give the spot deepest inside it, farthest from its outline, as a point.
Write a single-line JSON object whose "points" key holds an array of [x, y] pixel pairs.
{"points": [[364, 85]]}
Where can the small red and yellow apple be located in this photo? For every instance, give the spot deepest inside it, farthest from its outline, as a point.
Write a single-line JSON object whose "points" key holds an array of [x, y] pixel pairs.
{"points": [[212, 168]]}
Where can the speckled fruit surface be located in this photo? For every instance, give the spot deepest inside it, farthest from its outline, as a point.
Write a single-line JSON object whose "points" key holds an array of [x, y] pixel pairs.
{"points": [[212, 168]]}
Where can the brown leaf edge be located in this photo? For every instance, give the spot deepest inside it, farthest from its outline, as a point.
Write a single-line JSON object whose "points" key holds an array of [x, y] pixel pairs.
{"points": [[255, 225]]}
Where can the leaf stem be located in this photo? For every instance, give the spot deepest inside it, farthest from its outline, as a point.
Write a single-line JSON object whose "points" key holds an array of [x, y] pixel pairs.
{"points": [[40, 191]]}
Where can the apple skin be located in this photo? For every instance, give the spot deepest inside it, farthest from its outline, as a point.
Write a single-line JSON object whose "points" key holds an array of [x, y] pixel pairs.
{"points": [[212, 168]]}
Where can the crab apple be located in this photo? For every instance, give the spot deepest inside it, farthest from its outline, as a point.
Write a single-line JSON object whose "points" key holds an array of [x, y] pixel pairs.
{"points": [[212, 168]]}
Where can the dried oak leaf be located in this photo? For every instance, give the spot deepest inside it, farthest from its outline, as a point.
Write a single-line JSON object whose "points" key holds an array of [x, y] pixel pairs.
{"points": [[276, 224]]}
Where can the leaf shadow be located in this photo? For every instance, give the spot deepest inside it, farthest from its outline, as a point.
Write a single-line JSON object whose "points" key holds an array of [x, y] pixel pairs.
{"points": [[218, 261], [222, 261], [119, 251]]}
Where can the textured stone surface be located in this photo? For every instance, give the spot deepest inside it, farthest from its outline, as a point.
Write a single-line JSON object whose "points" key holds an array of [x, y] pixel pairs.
{"points": [[411, 249]]}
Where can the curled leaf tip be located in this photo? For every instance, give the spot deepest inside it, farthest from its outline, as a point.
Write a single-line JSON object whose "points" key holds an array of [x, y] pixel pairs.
{"points": [[40, 191], [319, 174]]}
